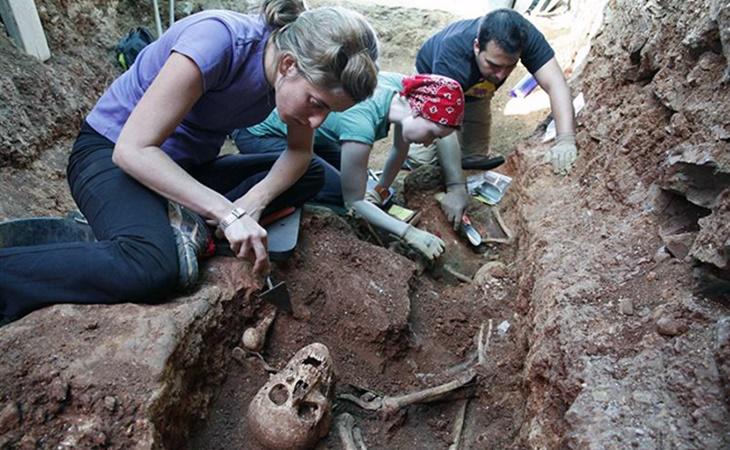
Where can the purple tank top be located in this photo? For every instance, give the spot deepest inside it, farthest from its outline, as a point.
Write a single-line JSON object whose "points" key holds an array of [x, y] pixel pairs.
{"points": [[228, 47]]}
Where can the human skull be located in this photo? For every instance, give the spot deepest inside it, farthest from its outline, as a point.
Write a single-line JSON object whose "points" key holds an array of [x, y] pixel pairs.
{"points": [[293, 410]]}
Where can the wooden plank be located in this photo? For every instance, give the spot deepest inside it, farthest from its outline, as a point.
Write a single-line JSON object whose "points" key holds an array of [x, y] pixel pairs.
{"points": [[24, 27]]}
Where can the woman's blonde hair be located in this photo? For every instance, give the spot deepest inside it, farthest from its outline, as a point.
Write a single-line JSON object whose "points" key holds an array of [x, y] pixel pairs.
{"points": [[334, 47]]}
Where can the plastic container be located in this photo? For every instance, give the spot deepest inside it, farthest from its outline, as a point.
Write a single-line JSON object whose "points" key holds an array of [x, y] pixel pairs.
{"points": [[524, 86]]}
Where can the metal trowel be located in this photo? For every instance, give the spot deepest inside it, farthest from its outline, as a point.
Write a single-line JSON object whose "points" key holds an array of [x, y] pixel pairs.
{"points": [[471, 233], [283, 232], [277, 294]]}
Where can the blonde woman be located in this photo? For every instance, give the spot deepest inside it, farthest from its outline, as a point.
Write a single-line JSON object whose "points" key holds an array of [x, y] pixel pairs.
{"points": [[155, 135]]}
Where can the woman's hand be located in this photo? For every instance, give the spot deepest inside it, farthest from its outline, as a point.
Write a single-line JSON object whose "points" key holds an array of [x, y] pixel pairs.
{"points": [[248, 240], [429, 245]]}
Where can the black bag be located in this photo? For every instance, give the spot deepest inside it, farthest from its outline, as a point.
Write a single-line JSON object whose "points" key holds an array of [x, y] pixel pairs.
{"points": [[130, 45]]}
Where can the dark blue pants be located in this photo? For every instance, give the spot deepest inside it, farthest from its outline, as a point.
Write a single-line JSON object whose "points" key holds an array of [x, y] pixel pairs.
{"points": [[135, 257], [327, 155]]}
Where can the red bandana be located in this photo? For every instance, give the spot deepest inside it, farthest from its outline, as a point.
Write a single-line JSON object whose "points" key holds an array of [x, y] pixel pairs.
{"points": [[436, 98]]}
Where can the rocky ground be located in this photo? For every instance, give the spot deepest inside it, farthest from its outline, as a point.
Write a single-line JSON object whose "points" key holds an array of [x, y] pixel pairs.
{"points": [[606, 316]]}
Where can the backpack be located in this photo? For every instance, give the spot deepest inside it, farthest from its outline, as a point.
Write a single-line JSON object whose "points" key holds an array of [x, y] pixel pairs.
{"points": [[130, 45]]}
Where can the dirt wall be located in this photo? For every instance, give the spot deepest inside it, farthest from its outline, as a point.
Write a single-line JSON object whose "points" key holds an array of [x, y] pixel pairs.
{"points": [[629, 338]]}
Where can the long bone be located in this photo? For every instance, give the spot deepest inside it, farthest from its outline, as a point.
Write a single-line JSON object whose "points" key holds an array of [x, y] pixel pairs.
{"points": [[388, 405], [254, 338], [459, 425]]}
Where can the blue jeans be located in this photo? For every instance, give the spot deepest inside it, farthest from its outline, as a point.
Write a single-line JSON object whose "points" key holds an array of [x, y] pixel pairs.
{"points": [[327, 155], [135, 257]]}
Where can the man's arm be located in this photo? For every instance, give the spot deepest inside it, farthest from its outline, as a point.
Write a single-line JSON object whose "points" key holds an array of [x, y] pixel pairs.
{"points": [[551, 79], [563, 153]]}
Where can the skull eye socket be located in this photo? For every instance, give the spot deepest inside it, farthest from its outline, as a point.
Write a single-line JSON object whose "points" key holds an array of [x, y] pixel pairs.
{"points": [[307, 411], [279, 394], [312, 361]]}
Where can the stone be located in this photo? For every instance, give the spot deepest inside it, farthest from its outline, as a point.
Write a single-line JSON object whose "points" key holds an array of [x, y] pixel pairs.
{"points": [[58, 390], [9, 417], [503, 327], [671, 327], [713, 240], [661, 254], [110, 403], [424, 178], [678, 245], [722, 351], [28, 442], [626, 306]]}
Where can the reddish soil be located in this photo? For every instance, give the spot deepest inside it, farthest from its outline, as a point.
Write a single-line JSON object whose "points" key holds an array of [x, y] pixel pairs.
{"points": [[416, 328], [614, 287]]}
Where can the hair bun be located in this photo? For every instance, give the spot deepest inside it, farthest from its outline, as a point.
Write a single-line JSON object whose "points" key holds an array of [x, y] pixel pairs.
{"points": [[279, 13]]}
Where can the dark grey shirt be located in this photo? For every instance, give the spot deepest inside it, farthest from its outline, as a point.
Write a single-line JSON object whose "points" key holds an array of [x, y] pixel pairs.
{"points": [[449, 53]]}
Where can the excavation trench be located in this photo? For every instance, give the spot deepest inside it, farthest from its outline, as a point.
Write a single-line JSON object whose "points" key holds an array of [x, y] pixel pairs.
{"points": [[608, 309], [392, 327]]}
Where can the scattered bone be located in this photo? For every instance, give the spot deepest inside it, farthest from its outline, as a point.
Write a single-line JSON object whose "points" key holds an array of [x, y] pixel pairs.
{"points": [[240, 355], [293, 410], [350, 433], [456, 274], [459, 425], [496, 229], [489, 272], [483, 344], [467, 372], [388, 405], [254, 338], [476, 357]]}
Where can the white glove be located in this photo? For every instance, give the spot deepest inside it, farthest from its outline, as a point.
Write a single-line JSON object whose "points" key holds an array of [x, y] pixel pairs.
{"points": [[429, 245], [563, 153]]}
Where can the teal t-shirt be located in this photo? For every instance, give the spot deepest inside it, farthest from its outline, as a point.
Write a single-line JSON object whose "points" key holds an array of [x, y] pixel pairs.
{"points": [[366, 122]]}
